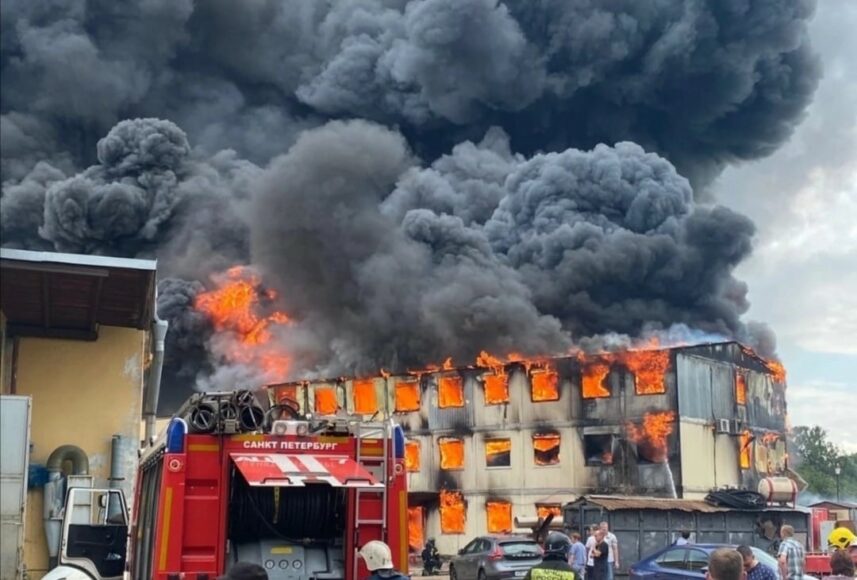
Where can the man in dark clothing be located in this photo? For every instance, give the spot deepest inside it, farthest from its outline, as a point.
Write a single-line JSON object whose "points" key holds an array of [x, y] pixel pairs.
{"points": [[554, 565], [755, 570], [245, 571], [600, 553]]}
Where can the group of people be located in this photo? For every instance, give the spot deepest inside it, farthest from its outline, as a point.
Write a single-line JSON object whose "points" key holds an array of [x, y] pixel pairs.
{"points": [[569, 558]]}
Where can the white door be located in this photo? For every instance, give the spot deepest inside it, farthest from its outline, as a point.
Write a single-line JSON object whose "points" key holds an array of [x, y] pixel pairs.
{"points": [[14, 462]]}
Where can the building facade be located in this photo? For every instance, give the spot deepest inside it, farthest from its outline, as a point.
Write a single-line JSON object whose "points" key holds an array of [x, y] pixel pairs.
{"points": [[501, 441], [77, 342]]}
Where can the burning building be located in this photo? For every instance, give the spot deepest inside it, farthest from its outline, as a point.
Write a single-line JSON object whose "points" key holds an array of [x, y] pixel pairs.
{"points": [[510, 439]]}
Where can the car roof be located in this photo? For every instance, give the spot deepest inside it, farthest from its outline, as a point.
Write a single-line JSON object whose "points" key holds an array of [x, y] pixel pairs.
{"points": [[504, 538]]}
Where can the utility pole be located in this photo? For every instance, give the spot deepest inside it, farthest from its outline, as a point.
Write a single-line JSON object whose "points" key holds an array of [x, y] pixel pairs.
{"points": [[837, 469]]}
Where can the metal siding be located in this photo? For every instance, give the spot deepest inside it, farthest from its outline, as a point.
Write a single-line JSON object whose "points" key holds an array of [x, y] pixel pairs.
{"points": [[722, 390], [14, 460], [694, 386]]}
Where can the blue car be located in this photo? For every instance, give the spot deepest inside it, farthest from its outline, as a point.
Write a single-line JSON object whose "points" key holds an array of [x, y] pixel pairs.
{"points": [[688, 562]]}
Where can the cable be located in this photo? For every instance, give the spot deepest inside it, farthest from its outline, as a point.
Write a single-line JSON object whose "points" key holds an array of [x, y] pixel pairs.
{"points": [[736, 498]]}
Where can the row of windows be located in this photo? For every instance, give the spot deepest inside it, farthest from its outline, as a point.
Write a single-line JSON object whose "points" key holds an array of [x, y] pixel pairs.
{"points": [[499, 518], [498, 452], [544, 387]]}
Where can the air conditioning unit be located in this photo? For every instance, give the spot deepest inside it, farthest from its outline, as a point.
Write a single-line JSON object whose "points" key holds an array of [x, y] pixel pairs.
{"points": [[737, 426], [722, 426]]}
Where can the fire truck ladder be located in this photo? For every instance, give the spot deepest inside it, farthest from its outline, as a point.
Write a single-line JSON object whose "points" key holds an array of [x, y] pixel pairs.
{"points": [[373, 431]]}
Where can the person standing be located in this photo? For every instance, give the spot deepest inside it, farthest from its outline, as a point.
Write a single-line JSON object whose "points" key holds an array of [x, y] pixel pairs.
{"points": [[379, 561], [792, 556], [613, 553], [725, 564], [554, 566], [755, 570], [590, 545], [683, 539], [578, 556], [600, 555], [841, 566]]}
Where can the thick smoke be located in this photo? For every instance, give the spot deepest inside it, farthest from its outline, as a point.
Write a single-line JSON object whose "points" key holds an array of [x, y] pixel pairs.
{"points": [[535, 193]]}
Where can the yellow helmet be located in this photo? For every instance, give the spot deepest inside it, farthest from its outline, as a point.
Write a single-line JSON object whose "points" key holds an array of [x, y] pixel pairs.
{"points": [[841, 538]]}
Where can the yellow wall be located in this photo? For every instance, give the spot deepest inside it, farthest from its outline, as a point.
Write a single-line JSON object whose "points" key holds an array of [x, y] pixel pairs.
{"points": [[83, 393], [702, 448]]}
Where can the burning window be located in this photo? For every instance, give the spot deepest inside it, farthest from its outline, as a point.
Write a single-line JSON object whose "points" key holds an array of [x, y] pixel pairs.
{"points": [[592, 380], [452, 512], [651, 436], [649, 368], [546, 448], [598, 449], [365, 397], [499, 514], [543, 510], [545, 385], [451, 453], [740, 388], [450, 392], [407, 396], [415, 528], [744, 456], [496, 388], [325, 401], [498, 452], [412, 455]]}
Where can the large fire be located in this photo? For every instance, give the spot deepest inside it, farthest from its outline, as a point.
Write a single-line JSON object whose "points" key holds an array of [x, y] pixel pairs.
{"points": [[545, 510], [453, 512], [234, 307], [450, 391], [407, 396], [744, 457], [545, 384], [546, 448], [412, 455], [451, 453], [649, 368], [499, 515], [365, 397], [651, 436], [495, 383], [592, 379], [415, 528], [498, 452], [326, 402], [777, 370], [740, 388]]}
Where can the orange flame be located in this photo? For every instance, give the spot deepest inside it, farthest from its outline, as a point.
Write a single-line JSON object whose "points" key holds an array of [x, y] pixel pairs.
{"points": [[499, 514], [496, 389], [770, 437], [453, 513], [498, 452], [740, 388], [326, 402], [451, 453], [545, 510], [592, 379], [777, 370], [412, 455], [365, 397], [744, 458], [649, 368], [545, 384], [546, 448], [651, 436], [450, 392], [233, 307], [415, 528], [407, 396]]}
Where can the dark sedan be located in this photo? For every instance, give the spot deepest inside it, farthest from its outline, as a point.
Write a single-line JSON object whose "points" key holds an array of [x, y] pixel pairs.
{"points": [[686, 562], [495, 558]]}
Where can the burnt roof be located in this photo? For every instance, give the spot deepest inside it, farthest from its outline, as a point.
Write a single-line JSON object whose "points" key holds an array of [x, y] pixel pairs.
{"points": [[58, 295]]}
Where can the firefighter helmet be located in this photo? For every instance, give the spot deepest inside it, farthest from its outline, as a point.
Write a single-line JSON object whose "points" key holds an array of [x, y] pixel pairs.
{"points": [[557, 544], [841, 538], [377, 556]]}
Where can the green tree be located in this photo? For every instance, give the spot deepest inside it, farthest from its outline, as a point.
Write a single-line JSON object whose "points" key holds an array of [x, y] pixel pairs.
{"points": [[816, 458]]}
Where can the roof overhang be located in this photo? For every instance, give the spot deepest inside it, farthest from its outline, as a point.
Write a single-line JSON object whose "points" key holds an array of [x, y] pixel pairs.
{"points": [[56, 295]]}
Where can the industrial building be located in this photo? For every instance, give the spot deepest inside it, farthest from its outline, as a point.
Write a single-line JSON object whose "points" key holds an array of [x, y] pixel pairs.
{"points": [[500, 441], [79, 368]]}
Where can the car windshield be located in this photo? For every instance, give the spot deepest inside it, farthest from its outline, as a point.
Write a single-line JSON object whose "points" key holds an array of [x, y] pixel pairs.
{"points": [[765, 558], [520, 549]]}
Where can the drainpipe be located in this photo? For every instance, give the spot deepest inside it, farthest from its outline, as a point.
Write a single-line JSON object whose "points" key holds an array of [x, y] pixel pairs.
{"points": [[153, 387], [117, 447], [54, 492]]}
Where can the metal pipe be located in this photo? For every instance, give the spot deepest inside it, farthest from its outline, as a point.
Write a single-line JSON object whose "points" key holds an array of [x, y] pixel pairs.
{"points": [[73, 453], [153, 386], [114, 507], [54, 492]]}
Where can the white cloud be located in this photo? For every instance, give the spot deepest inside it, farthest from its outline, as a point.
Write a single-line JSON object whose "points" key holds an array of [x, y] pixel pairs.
{"points": [[832, 406]]}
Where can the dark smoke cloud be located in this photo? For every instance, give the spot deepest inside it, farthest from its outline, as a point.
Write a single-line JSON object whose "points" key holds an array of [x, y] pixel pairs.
{"points": [[527, 199], [702, 82]]}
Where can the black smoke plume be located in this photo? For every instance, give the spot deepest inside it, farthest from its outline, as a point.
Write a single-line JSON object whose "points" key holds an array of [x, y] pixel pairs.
{"points": [[530, 196]]}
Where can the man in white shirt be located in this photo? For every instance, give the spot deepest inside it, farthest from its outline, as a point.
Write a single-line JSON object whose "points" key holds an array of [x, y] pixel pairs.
{"points": [[590, 545], [613, 554]]}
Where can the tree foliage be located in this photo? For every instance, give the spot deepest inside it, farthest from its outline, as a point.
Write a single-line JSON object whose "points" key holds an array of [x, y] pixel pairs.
{"points": [[815, 458]]}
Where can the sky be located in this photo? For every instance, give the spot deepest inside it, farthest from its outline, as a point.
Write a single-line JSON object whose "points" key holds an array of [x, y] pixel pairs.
{"points": [[803, 272]]}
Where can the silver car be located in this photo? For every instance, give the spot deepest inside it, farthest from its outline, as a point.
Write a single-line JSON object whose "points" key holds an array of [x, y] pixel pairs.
{"points": [[495, 558]]}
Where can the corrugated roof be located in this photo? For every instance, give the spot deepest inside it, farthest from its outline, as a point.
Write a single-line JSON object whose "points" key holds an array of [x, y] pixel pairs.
{"points": [[612, 503], [67, 295], [848, 505]]}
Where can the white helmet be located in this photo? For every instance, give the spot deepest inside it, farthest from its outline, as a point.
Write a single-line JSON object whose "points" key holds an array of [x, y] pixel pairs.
{"points": [[377, 556]]}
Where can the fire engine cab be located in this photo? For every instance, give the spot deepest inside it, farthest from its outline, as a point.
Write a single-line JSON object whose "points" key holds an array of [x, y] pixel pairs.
{"points": [[229, 481]]}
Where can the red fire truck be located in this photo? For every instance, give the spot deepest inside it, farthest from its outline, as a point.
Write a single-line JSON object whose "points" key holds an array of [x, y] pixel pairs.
{"points": [[298, 495]]}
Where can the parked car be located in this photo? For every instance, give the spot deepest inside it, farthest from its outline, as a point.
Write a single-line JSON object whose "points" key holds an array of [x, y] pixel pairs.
{"points": [[688, 562], [495, 558]]}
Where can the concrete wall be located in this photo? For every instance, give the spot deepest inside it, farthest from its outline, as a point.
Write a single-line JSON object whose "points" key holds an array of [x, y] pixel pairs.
{"points": [[708, 459], [83, 393]]}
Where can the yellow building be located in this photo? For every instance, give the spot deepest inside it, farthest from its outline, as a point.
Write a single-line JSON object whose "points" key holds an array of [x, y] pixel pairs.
{"points": [[78, 338]]}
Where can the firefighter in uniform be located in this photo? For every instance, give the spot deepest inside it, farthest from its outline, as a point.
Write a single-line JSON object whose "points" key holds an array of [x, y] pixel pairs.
{"points": [[554, 566], [379, 561]]}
